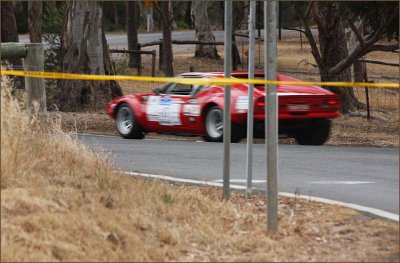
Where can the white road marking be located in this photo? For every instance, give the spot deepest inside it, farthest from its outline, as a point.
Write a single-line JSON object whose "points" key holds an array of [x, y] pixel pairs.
{"points": [[374, 211], [181, 180], [242, 181], [342, 182]]}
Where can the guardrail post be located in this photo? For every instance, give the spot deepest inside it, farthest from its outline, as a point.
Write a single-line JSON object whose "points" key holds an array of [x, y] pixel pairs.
{"points": [[35, 88]]}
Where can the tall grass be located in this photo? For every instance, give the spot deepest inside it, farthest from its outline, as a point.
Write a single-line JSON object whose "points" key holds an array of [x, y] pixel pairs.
{"points": [[61, 202]]}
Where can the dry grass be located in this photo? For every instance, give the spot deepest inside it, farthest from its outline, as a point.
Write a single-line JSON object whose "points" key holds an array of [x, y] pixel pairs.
{"points": [[61, 202]]}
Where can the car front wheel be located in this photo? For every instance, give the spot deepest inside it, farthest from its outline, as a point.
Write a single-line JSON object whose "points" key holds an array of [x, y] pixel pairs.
{"points": [[215, 127], [316, 133], [127, 125]]}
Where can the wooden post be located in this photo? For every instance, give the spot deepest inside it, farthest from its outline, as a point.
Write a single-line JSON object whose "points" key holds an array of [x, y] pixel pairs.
{"points": [[13, 50], [35, 88], [153, 64], [161, 54], [301, 39], [139, 61], [367, 99]]}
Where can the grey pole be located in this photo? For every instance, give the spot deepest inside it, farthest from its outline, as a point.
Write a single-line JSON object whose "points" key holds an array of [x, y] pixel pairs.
{"points": [[227, 96], [250, 112], [271, 115]]}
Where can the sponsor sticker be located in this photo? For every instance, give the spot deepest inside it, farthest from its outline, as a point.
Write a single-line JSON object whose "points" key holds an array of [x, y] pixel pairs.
{"points": [[191, 110], [242, 104], [162, 110]]}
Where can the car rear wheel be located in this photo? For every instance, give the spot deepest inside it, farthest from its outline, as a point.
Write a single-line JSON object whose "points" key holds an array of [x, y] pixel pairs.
{"points": [[215, 127], [127, 125], [316, 133]]}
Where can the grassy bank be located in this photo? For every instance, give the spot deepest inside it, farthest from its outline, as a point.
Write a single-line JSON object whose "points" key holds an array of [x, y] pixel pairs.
{"points": [[61, 202]]}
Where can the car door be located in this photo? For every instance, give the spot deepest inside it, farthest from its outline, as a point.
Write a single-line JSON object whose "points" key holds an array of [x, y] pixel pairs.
{"points": [[164, 111]]}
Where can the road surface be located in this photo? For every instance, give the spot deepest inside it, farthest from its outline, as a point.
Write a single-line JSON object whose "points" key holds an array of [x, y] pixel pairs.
{"points": [[358, 175], [121, 41]]}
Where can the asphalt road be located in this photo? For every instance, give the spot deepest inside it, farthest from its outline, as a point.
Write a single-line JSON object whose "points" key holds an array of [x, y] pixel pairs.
{"points": [[121, 41], [358, 175]]}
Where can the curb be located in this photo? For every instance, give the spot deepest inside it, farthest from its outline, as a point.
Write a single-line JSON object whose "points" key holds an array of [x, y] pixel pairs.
{"points": [[370, 210]]}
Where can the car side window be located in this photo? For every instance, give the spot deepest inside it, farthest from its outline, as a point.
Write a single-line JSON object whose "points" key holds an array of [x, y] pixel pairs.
{"points": [[164, 89], [200, 89], [181, 89]]}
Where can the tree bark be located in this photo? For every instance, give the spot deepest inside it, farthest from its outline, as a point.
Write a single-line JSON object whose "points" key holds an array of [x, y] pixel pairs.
{"points": [[35, 10], [359, 68], [9, 33], [203, 31], [188, 14], [333, 49], [132, 24], [167, 19], [238, 16], [85, 51]]}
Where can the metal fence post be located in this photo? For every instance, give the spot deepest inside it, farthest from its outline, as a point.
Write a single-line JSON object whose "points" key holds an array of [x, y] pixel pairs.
{"points": [[271, 115], [227, 97], [250, 111]]}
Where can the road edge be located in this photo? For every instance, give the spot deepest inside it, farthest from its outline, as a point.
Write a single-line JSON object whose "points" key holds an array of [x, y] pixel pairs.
{"points": [[370, 210]]}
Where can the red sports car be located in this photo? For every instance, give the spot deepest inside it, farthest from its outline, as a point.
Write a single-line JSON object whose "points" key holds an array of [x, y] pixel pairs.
{"points": [[305, 111]]}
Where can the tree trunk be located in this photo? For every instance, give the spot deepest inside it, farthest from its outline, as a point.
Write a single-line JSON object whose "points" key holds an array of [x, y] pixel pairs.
{"points": [[235, 54], [85, 51], [203, 31], [168, 60], [238, 11], [359, 68], [115, 12], [333, 48], [35, 9], [9, 33], [188, 14], [132, 24]]}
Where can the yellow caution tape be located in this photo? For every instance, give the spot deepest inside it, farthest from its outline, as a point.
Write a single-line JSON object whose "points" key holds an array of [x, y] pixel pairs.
{"points": [[197, 81]]}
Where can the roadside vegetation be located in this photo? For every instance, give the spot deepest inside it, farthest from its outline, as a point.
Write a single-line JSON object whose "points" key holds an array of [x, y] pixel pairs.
{"points": [[62, 202]]}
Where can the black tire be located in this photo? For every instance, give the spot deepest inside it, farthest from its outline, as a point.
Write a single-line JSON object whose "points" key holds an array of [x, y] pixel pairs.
{"points": [[316, 133], [126, 123], [214, 127]]}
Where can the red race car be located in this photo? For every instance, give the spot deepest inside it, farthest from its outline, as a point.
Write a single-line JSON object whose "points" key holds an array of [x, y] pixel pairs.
{"points": [[305, 111]]}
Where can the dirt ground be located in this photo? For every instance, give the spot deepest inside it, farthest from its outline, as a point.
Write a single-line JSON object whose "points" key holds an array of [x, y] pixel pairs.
{"points": [[346, 131]]}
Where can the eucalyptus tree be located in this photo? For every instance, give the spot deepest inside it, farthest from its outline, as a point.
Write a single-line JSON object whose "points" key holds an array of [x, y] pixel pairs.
{"points": [[9, 33], [132, 24], [203, 30], [35, 11], [332, 56], [167, 18], [85, 51]]}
